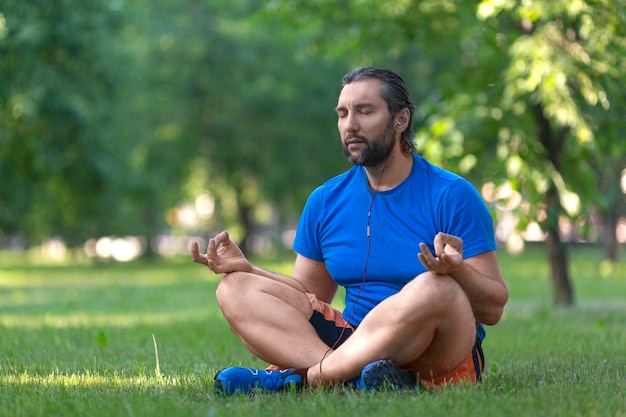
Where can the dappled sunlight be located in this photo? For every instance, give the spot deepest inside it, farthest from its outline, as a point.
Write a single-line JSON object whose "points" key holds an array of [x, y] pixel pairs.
{"points": [[621, 231], [524, 308], [122, 249], [168, 245], [514, 229], [88, 380], [54, 250], [85, 319], [107, 297], [14, 280]]}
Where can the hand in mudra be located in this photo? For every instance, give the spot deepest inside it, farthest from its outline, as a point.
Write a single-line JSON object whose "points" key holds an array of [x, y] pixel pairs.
{"points": [[448, 254], [222, 255]]}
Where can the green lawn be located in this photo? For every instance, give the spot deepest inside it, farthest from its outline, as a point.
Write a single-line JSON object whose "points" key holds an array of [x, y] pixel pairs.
{"points": [[80, 341]]}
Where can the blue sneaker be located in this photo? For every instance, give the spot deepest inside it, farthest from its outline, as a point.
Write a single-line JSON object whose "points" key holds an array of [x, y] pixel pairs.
{"points": [[385, 374], [235, 380]]}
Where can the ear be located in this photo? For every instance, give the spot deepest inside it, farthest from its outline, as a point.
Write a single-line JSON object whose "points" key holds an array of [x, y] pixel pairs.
{"points": [[402, 119]]}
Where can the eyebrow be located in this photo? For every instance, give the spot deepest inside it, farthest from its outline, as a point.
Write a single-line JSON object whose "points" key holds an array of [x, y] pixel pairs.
{"points": [[358, 105]]}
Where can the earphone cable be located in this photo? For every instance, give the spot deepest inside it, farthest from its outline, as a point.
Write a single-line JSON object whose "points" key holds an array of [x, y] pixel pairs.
{"points": [[367, 258]]}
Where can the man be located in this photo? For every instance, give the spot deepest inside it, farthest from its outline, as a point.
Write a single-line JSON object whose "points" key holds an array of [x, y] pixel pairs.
{"points": [[412, 244]]}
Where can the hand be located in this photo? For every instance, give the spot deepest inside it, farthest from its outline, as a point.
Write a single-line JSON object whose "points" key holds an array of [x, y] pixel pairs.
{"points": [[222, 256], [448, 254]]}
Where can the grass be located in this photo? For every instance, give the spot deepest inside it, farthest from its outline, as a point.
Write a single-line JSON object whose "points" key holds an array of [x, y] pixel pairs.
{"points": [[77, 340]]}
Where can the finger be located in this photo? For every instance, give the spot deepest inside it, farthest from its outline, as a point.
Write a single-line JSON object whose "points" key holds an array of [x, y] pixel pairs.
{"points": [[455, 241], [425, 251], [211, 250], [444, 259], [194, 249], [439, 243], [222, 238], [425, 256], [195, 254], [423, 260]]}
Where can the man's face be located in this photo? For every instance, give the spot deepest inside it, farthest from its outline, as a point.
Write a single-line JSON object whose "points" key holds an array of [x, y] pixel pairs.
{"points": [[366, 129]]}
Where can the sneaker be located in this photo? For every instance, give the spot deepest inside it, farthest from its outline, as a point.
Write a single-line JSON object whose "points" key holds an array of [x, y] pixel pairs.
{"points": [[385, 374], [235, 380]]}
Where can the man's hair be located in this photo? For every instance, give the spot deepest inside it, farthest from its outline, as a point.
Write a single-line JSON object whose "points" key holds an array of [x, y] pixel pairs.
{"points": [[395, 93]]}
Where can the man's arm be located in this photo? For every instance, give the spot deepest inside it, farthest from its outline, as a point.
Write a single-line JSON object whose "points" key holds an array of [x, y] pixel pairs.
{"points": [[479, 276], [482, 281], [308, 276], [315, 278], [223, 256]]}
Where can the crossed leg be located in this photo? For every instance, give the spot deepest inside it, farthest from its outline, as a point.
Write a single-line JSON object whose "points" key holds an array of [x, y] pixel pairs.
{"points": [[271, 319], [428, 326]]}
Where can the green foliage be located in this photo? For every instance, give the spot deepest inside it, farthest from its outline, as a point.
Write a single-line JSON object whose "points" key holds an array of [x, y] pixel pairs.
{"points": [[157, 102], [267, 123], [567, 60], [78, 155], [52, 101], [149, 94], [489, 66]]}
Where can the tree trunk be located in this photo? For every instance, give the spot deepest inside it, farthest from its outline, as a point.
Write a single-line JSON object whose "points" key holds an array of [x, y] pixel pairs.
{"points": [[553, 141], [614, 207], [245, 219], [557, 252], [610, 221], [151, 229]]}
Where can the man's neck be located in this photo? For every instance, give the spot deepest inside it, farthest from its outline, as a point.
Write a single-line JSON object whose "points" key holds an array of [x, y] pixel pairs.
{"points": [[390, 173]]}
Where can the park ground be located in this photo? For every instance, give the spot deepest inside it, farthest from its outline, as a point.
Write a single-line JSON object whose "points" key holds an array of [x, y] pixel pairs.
{"points": [[145, 339]]}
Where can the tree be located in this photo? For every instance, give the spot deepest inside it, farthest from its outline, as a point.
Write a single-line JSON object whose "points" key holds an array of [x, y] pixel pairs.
{"points": [[526, 83], [53, 116], [565, 61], [89, 140], [259, 112], [609, 165]]}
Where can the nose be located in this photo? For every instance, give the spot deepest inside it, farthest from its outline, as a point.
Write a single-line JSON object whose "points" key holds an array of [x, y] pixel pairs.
{"points": [[349, 123]]}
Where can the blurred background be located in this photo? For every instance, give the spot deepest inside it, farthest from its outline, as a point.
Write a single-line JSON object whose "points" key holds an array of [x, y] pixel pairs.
{"points": [[128, 128]]}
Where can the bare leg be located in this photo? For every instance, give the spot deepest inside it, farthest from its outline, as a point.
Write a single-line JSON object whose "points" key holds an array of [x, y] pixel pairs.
{"points": [[271, 318], [429, 326]]}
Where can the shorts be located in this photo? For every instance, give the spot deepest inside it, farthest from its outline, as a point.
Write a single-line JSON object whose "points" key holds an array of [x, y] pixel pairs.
{"points": [[333, 329]]}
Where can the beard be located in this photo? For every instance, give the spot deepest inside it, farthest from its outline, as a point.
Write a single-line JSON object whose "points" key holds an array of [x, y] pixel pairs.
{"points": [[375, 150]]}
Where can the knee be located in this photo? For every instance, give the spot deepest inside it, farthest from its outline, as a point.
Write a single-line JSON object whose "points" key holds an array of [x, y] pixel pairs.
{"points": [[443, 283], [230, 289], [442, 291]]}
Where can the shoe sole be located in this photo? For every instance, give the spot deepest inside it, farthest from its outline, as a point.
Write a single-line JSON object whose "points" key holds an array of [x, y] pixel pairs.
{"points": [[218, 385], [387, 374]]}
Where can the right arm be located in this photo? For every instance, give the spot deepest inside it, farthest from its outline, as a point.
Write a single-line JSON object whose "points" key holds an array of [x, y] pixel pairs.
{"points": [[224, 256], [315, 278]]}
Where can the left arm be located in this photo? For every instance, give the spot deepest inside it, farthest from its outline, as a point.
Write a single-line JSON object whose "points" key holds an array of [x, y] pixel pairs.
{"points": [[479, 276]]}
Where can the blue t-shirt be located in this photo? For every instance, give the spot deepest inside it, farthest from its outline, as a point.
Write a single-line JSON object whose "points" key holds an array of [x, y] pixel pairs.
{"points": [[334, 223]]}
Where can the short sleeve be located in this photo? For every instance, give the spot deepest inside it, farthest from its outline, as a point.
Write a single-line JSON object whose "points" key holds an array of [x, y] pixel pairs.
{"points": [[463, 213], [307, 242]]}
